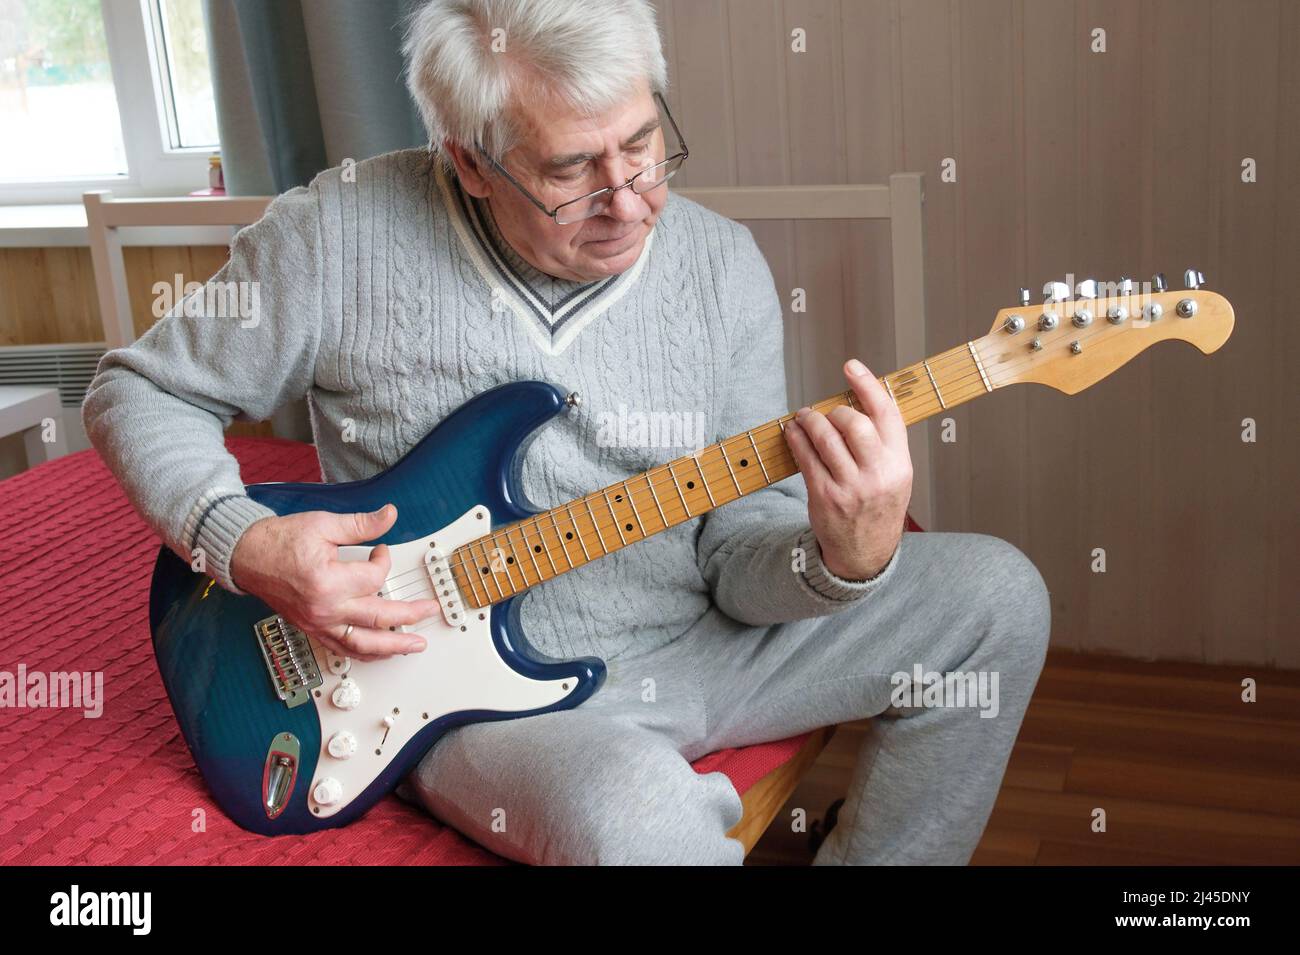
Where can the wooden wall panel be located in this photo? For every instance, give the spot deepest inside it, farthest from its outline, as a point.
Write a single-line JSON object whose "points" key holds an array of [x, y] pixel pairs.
{"points": [[1068, 161]]}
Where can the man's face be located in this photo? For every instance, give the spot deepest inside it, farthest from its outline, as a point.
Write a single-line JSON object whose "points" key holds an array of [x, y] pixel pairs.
{"points": [[562, 155]]}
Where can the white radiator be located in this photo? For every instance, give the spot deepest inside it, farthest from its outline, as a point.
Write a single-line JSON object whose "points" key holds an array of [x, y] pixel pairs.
{"points": [[67, 368]]}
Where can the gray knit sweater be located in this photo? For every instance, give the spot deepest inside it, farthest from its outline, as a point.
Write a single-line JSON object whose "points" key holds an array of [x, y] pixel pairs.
{"points": [[387, 297]]}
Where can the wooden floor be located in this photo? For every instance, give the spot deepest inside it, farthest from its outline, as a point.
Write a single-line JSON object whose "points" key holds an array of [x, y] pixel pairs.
{"points": [[1186, 772]]}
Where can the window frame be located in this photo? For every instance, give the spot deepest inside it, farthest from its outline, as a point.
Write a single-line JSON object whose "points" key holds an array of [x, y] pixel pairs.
{"points": [[155, 168]]}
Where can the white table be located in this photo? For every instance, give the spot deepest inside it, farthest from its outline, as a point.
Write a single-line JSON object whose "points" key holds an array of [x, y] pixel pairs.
{"points": [[26, 409]]}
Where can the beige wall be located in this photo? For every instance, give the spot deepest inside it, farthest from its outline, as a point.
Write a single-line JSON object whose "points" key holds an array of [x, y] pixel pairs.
{"points": [[1123, 162]]}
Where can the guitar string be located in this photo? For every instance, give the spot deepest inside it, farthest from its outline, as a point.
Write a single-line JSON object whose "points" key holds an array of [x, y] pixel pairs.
{"points": [[675, 514], [957, 390], [764, 447], [464, 561]]}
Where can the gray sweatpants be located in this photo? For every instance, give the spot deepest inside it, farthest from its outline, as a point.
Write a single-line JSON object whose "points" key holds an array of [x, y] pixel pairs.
{"points": [[611, 781]]}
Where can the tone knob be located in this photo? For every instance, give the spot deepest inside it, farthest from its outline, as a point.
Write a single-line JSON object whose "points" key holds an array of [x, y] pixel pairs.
{"points": [[337, 665], [328, 791], [347, 695], [342, 745]]}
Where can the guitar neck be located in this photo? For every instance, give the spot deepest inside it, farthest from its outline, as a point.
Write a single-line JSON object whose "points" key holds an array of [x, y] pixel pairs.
{"points": [[523, 554]]}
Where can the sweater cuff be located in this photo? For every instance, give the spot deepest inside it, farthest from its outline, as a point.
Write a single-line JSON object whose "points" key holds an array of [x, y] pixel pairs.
{"points": [[821, 581], [214, 527]]}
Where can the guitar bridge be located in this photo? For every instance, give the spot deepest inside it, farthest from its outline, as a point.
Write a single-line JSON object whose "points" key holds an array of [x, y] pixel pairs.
{"points": [[289, 660]]}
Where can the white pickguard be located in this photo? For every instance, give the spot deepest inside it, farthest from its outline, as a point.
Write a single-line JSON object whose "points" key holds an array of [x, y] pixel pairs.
{"points": [[460, 669]]}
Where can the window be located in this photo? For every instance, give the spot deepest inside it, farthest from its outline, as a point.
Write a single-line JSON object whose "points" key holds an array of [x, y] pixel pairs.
{"points": [[184, 80], [103, 94]]}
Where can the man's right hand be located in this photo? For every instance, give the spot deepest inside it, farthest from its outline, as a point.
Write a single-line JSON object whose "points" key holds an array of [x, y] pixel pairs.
{"points": [[292, 563]]}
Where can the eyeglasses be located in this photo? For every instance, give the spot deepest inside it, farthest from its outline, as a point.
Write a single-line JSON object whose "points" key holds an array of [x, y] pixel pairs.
{"points": [[595, 203]]}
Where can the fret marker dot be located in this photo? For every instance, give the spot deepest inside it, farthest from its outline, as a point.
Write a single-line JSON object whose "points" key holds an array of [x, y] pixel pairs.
{"points": [[690, 485], [537, 549]]}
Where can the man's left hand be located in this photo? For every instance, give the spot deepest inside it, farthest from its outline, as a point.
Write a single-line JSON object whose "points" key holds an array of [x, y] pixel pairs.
{"points": [[859, 476]]}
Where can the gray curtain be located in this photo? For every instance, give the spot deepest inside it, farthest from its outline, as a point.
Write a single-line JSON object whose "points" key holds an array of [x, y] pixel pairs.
{"points": [[301, 86]]}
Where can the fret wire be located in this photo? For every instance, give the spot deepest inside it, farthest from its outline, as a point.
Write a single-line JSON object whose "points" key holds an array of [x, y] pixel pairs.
{"points": [[498, 549], [519, 564], [632, 503], [568, 508], [757, 455], [536, 567], [512, 560], [934, 383], [677, 484], [473, 584], [546, 548], [722, 446], [614, 514], [649, 481], [704, 480], [559, 535], [491, 574], [596, 524]]}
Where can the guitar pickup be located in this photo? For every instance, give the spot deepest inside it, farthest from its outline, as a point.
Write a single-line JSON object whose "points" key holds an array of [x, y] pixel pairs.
{"points": [[289, 660], [444, 587]]}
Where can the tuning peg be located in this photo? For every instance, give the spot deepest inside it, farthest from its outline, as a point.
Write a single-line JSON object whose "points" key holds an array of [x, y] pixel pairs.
{"points": [[1193, 279], [1125, 285], [1023, 296], [1159, 283], [1056, 292], [1086, 289]]}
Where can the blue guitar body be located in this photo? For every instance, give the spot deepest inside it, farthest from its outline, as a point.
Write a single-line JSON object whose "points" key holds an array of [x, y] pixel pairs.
{"points": [[270, 765]]}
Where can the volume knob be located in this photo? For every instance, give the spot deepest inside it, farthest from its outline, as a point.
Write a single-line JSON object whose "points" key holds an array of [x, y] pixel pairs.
{"points": [[342, 745], [347, 695], [328, 791]]}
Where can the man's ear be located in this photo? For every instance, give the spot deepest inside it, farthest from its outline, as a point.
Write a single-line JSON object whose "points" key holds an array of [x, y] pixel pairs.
{"points": [[469, 169]]}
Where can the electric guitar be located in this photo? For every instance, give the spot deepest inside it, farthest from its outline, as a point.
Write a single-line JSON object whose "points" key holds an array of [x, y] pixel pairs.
{"points": [[292, 738]]}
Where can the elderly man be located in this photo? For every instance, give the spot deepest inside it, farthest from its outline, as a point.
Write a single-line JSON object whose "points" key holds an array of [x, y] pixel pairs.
{"points": [[536, 238]]}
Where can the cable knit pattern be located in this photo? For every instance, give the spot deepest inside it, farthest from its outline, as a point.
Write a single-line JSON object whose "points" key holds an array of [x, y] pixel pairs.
{"points": [[372, 307]]}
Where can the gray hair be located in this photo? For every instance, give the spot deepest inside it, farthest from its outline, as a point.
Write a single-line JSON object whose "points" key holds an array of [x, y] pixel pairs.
{"points": [[466, 60]]}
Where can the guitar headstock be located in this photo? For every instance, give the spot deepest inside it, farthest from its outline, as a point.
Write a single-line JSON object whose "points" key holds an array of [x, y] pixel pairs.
{"points": [[1076, 338]]}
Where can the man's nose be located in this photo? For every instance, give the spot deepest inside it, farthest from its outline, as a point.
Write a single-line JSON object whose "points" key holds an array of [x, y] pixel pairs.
{"points": [[626, 206]]}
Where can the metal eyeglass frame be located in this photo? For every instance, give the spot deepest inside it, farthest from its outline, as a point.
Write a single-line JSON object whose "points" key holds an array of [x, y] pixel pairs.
{"points": [[682, 154]]}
